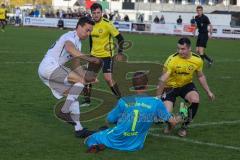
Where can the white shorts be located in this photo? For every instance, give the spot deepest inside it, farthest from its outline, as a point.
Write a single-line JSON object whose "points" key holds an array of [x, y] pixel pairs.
{"points": [[54, 76]]}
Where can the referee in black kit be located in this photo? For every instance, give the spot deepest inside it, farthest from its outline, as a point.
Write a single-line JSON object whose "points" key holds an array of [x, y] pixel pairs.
{"points": [[202, 23]]}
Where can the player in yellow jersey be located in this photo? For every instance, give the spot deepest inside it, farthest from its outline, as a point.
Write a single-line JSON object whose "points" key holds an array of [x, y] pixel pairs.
{"points": [[176, 80], [3, 16], [102, 46]]}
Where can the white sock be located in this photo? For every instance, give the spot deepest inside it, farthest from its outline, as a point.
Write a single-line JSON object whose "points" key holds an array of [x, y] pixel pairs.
{"points": [[73, 95], [75, 91], [75, 108], [75, 115], [78, 126], [66, 82]]}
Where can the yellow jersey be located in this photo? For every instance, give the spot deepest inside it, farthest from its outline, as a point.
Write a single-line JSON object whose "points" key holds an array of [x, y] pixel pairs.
{"points": [[3, 13], [102, 39], [181, 70]]}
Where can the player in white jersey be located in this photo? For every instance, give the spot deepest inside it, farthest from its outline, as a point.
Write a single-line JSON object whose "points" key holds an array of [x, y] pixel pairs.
{"points": [[65, 81]]}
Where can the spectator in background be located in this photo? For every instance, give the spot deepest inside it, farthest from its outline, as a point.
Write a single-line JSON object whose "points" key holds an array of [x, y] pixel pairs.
{"points": [[31, 14], [18, 14], [162, 20], [61, 13], [140, 18], [105, 15], [111, 15], [60, 24], [179, 20], [52, 15], [156, 20], [43, 12], [24, 13], [36, 13], [118, 17], [58, 14], [126, 18], [192, 21], [47, 15], [75, 14], [69, 13]]}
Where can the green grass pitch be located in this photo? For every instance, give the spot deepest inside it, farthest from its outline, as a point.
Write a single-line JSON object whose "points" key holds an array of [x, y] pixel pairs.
{"points": [[30, 131]]}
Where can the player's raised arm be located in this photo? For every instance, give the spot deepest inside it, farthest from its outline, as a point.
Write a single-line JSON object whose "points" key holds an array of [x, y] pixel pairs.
{"points": [[162, 82], [203, 82], [70, 48], [115, 33], [210, 30], [116, 112], [195, 29], [120, 39], [120, 56]]}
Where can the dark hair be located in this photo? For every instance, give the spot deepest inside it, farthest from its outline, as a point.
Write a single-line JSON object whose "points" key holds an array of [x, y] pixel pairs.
{"points": [[83, 20], [199, 7], [139, 80], [96, 6], [184, 40]]}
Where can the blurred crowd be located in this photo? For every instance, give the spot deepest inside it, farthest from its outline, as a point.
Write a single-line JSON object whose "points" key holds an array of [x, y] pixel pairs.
{"points": [[69, 13], [50, 13]]}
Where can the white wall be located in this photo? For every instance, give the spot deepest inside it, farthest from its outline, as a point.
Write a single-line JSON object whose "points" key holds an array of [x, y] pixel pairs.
{"points": [[63, 4], [170, 17], [215, 19], [113, 6]]}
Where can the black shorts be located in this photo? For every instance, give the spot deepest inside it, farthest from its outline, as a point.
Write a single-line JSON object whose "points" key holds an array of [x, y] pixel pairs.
{"points": [[3, 21], [170, 94], [106, 68], [202, 40], [107, 65]]}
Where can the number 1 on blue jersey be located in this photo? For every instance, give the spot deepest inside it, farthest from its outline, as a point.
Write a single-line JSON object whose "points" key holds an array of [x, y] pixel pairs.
{"points": [[136, 114]]}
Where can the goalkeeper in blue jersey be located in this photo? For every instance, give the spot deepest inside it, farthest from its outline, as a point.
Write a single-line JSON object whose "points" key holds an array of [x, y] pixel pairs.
{"points": [[133, 117]]}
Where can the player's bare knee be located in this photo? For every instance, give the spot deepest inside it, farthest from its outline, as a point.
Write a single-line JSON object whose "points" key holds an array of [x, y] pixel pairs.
{"points": [[194, 99], [75, 80], [172, 122], [168, 105], [108, 80], [90, 76]]}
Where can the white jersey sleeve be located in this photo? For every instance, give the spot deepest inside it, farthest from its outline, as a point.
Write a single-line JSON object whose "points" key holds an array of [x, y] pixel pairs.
{"points": [[58, 51]]}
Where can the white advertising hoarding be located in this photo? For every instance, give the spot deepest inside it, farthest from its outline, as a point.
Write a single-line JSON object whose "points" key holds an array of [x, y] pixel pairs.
{"points": [[186, 29], [173, 29], [41, 22], [123, 26], [48, 22]]}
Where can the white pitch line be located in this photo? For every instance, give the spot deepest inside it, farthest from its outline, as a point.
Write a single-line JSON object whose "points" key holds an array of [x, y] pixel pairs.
{"points": [[214, 123], [19, 62], [197, 142], [206, 124], [200, 142], [131, 62], [159, 58], [226, 77]]}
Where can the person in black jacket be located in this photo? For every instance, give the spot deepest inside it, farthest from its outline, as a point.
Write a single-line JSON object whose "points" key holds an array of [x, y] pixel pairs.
{"points": [[202, 24], [179, 20]]}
